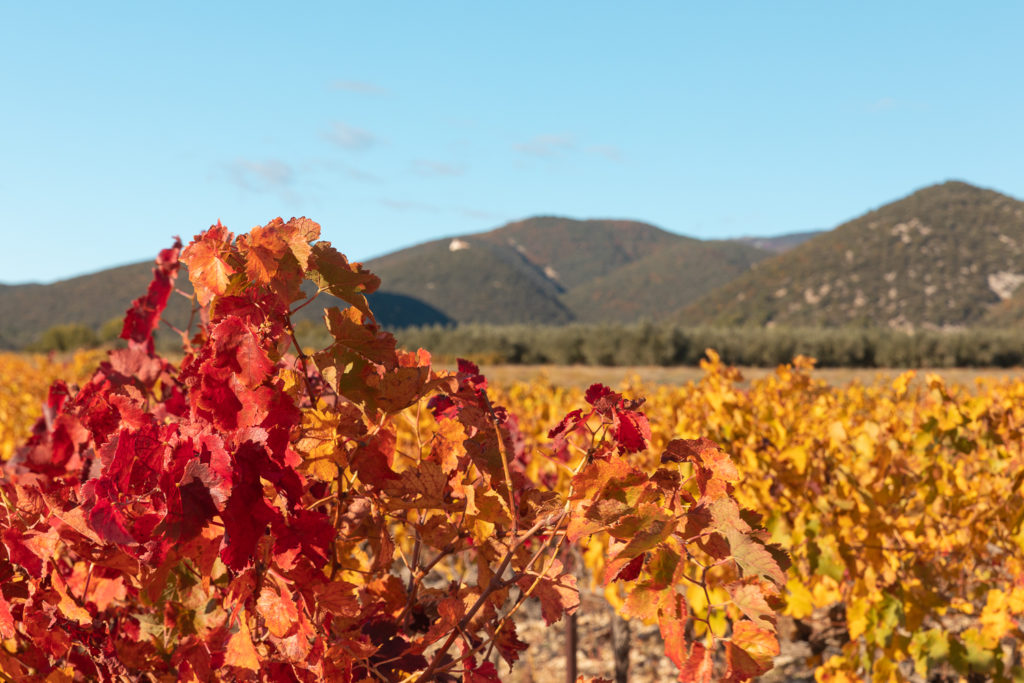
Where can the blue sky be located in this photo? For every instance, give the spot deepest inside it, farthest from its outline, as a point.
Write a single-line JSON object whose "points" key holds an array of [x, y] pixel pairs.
{"points": [[394, 123]]}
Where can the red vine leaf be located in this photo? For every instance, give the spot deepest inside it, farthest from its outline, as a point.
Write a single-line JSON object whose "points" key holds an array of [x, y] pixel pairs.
{"points": [[750, 599], [279, 611], [557, 592], [750, 651], [347, 281], [698, 667], [207, 269], [7, 626], [240, 651]]}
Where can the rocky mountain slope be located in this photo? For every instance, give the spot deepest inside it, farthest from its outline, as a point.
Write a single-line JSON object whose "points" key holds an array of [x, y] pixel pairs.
{"points": [[941, 257], [945, 256], [556, 270]]}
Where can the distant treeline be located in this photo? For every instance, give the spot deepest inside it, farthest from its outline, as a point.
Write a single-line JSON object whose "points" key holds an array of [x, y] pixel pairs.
{"points": [[655, 344], [73, 336]]}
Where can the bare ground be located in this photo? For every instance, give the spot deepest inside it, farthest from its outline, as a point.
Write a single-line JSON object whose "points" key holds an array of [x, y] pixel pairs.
{"points": [[585, 375]]}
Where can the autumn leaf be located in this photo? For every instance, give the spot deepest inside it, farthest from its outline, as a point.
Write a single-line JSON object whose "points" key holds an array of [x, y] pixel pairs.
{"points": [[67, 605], [704, 453], [7, 624], [508, 644], [337, 597], [347, 281], [484, 673], [317, 440], [698, 667], [207, 269], [654, 528], [754, 558], [592, 480], [109, 523], [263, 248], [750, 599], [240, 651], [143, 318], [557, 592], [749, 651], [673, 633], [279, 611]]}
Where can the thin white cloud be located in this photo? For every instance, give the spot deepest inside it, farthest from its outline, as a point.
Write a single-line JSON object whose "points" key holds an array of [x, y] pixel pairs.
{"points": [[883, 104], [408, 205], [609, 152], [425, 167], [361, 87], [546, 145], [351, 172], [351, 138], [261, 176], [264, 177], [361, 176]]}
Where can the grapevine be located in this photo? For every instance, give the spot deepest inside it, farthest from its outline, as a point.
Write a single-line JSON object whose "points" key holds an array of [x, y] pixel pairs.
{"points": [[249, 513], [901, 502]]}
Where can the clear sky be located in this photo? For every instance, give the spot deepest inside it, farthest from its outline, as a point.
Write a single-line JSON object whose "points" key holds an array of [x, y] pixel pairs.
{"points": [[391, 123]]}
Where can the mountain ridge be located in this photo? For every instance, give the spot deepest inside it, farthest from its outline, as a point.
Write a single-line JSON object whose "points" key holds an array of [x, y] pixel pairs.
{"points": [[944, 256], [940, 257]]}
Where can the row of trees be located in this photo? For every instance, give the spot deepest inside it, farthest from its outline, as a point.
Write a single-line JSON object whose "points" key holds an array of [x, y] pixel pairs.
{"points": [[656, 344], [74, 336]]}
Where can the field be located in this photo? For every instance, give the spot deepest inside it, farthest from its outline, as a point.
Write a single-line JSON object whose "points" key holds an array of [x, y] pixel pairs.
{"points": [[582, 376], [897, 495]]}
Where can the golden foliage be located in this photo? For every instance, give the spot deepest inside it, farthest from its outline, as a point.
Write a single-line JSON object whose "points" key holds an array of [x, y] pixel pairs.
{"points": [[24, 381], [901, 500]]}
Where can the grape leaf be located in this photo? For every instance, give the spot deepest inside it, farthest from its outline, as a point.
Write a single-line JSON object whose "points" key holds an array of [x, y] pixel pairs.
{"points": [[67, 605], [749, 598], [706, 454], [246, 517], [207, 269], [698, 666], [347, 281], [508, 644], [109, 523], [279, 611], [237, 349], [7, 625], [654, 528], [264, 249], [337, 597], [484, 673], [240, 651], [142, 319], [754, 558], [557, 592], [750, 651]]}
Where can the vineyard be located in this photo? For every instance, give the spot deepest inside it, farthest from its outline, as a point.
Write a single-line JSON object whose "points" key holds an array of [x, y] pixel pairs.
{"points": [[263, 512]]}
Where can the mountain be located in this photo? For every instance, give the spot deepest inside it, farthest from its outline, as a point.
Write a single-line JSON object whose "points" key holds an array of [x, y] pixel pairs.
{"points": [[556, 270], [469, 279], [904, 264], [658, 285], [545, 270], [522, 271], [90, 300], [941, 257], [572, 252], [26, 311]]}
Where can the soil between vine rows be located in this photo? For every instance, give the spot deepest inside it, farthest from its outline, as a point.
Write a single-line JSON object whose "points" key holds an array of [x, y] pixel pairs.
{"points": [[802, 646]]}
